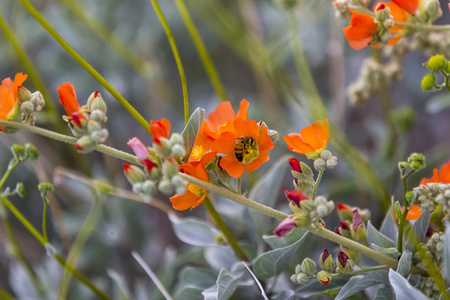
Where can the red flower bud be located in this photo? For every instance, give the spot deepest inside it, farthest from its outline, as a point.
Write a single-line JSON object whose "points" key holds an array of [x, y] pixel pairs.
{"points": [[343, 258], [295, 165], [285, 227], [357, 222]]}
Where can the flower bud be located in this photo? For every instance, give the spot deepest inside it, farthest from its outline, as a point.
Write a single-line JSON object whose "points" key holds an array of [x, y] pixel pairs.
{"points": [[344, 212], [358, 229], [176, 139], [436, 63], [137, 187], [309, 266], [170, 168], [163, 148], [320, 164], [99, 136], [326, 154], [45, 187], [428, 82], [285, 227], [31, 151], [98, 116], [433, 9], [295, 165], [326, 261], [324, 277], [344, 263], [138, 148], [322, 211], [19, 152], [96, 102], [307, 206], [20, 189], [165, 187], [27, 107], [178, 150], [417, 161], [294, 196], [320, 200], [273, 134], [344, 229], [302, 278], [85, 144], [23, 94], [332, 162], [133, 173], [149, 188], [38, 100], [298, 269], [93, 126]]}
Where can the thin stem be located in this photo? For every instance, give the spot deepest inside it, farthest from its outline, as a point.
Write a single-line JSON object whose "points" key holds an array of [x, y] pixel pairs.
{"points": [[176, 55], [223, 227], [316, 184], [238, 185], [5, 295], [85, 65], [363, 270], [12, 164], [44, 243], [423, 26], [44, 219], [235, 197], [202, 51], [401, 225]]}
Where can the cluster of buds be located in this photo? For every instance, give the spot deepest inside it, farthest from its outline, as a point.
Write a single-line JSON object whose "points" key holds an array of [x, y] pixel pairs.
{"points": [[436, 64], [304, 272], [432, 10], [373, 77], [429, 287], [434, 248], [326, 161], [29, 103], [385, 21], [429, 196], [87, 123], [431, 42], [161, 167]]}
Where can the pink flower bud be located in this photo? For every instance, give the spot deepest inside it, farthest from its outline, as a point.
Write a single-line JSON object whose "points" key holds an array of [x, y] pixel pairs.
{"points": [[138, 148], [295, 165], [285, 227]]}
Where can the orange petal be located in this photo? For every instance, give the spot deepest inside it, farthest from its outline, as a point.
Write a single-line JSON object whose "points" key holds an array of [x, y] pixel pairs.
{"points": [[68, 98], [243, 110], [223, 113], [361, 30], [160, 129], [185, 201], [444, 173], [233, 167], [296, 143], [225, 143], [414, 213], [411, 6], [6, 102], [18, 80], [435, 178]]}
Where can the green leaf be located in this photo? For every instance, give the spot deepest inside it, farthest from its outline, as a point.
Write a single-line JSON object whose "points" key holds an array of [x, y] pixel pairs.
{"points": [[388, 228], [418, 231], [190, 132], [227, 284], [121, 291], [404, 264], [193, 281], [285, 295], [273, 241], [384, 293], [272, 263], [315, 287], [194, 232], [447, 251], [357, 284], [392, 252], [402, 289], [377, 238]]}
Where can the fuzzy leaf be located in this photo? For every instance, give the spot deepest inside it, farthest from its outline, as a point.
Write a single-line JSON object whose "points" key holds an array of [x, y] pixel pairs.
{"points": [[226, 284], [285, 295], [389, 229], [194, 232], [377, 238], [384, 293], [447, 251], [402, 289], [355, 286], [418, 231], [190, 132], [404, 264], [392, 252], [273, 262]]}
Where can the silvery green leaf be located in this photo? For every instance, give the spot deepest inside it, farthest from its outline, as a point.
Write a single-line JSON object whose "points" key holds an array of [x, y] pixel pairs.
{"points": [[389, 229], [384, 293], [285, 295], [418, 231], [219, 257], [226, 284], [404, 264], [273, 241], [377, 238], [120, 287], [273, 262], [190, 132], [193, 232], [210, 294], [447, 251], [402, 289], [358, 283], [392, 252], [192, 282], [316, 288]]}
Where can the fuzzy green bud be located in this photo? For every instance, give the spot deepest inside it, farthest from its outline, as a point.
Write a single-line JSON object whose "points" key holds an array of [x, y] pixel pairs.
{"points": [[93, 126], [99, 136], [302, 220], [38, 100], [137, 188], [23, 94], [45, 187], [298, 269], [164, 149], [403, 165], [31, 151], [309, 266], [320, 164], [170, 168], [436, 63], [320, 200], [324, 277], [273, 134], [95, 102], [85, 144], [352, 254], [322, 211], [27, 107], [302, 278], [20, 189], [344, 263], [326, 154], [18, 152], [98, 116], [165, 187], [417, 161], [133, 173], [178, 150], [149, 188], [307, 206], [332, 162], [326, 261]]}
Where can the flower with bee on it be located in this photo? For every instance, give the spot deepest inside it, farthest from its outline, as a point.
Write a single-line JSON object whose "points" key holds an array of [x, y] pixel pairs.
{"points": [[245, 147]]}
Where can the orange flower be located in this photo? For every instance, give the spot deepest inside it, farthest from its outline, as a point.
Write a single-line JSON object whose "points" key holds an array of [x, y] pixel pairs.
{"points": [[194, 195], [414, 213], [363, 28], [442, 176], [8, 95], [160, 129], [411, 6], [245, 147], [311, 140], [68, 98]]}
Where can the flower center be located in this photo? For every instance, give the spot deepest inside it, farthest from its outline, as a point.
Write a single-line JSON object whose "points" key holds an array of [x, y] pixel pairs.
{"points": [[197, 191], [198, 152], [246, 149]]}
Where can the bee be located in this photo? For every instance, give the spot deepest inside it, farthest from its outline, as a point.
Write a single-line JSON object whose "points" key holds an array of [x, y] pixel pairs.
{"points": [[242, 147]]}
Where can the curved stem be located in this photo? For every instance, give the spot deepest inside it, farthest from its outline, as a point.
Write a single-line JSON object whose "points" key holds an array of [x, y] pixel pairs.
{"points": [[316, 184], [201, 49], [424, 26], [85, 64], [225, 230], [176, 55], [363, 270]]}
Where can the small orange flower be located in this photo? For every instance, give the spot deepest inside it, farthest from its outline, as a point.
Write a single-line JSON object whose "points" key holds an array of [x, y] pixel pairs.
{"points": [[245, 146], [442, 176], [160, 129], [363, 28], [411, 6], [414, 213], [194, 195], [222, 115], [8, 95], [311, 140], [68, 98]]}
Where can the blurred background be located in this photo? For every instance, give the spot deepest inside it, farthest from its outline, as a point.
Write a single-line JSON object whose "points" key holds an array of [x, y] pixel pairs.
{"points": [[292, 63]]}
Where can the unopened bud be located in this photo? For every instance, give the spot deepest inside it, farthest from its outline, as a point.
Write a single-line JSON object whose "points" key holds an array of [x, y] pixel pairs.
{"points": [[322, 211], [165, 187], [45, 187], [31, 151], [320, 164], [344, 212], [18, 152], [176, 139], [309, 266], [417, 161], [320, 200], [326, 154], [133, 173], [344, 263], [27, 107], [433, 9], [23, 94], [170, 168], [85, 144], [273, 134], [20, 189], [302, 278], [38, 100], [99, 136], [178, 150], [149, 188], [436, 63], [326, 261], [98, 115], [324, 277], [332, 162], [163, 149]]}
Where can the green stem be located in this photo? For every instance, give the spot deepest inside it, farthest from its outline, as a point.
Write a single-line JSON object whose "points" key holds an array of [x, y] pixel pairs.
{"points": [[401, 225], [363, 270], [176, 55], [44, 219], [44, 243], [423, 26], [74, 253], [5, 295], [11, 165], [223, 227], [434, 272], [202, 51], [316, 184], [366, 251], [85, 65], [238, 185]]}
